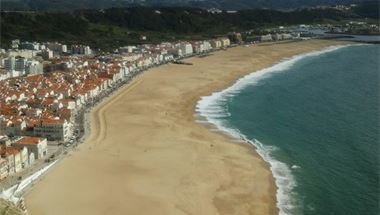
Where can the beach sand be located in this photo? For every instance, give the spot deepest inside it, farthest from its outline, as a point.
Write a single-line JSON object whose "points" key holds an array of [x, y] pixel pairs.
{"points": [[147, 155]]}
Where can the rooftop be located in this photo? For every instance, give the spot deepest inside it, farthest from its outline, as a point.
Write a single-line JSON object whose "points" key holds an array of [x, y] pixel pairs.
{"points": [[29, 140]]}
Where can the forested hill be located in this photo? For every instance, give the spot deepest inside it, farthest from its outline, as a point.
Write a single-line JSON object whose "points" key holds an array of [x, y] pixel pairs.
{"points": [[70, 5], [119, 26]]}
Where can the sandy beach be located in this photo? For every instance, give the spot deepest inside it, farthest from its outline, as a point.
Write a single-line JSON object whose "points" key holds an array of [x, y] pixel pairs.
{"points": [[147, 155]]}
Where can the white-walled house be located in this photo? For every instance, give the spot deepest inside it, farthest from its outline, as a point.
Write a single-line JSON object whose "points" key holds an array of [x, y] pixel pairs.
{"points": [[225, 42], [53, 129], [187, 49], [207, 45], [216, 44], [35, 145], [267, 37]]}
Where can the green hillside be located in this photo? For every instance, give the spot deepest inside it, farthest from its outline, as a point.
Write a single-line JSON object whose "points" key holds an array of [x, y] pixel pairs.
{"points": [[110, 28]]}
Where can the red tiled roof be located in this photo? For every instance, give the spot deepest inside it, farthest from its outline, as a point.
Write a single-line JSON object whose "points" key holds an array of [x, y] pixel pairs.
{"points": [[29, 140]]}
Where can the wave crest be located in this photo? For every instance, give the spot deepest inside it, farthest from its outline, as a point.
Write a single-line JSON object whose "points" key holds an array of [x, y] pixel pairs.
{"points": [[213, 109]]}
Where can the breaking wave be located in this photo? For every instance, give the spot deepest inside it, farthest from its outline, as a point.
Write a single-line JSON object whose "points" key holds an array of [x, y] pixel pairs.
{"points": [[213, 109]]}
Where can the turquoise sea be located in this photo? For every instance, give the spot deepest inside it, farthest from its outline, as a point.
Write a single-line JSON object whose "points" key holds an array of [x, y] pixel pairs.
{"points": [[315, 119]]}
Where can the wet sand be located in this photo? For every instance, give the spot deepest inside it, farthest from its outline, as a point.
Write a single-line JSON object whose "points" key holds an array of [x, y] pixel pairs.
{"points": [[147, 155]]}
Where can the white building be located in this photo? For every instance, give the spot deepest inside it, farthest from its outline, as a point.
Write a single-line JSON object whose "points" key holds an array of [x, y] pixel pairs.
{"points": [[3, 76], [53, 129], [57, 47], [29, 45], [87, 50], [47, 54], [176, 52], [186, 48], [207, 45], [198, 47], [216, 44], [37, 147], [64, 48], [3, 168], [13, 63], [14, 159], [33, 67], [23, 53], [20, 64], [168, 57], [225, 42], [276, 37], [287, 36], [13, 127], [80, 49], [267, 37], [9, 63], [15, 44]]}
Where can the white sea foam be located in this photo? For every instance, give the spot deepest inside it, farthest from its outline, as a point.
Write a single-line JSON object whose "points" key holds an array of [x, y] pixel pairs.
{"points": [[295, 167], [213, 109]]}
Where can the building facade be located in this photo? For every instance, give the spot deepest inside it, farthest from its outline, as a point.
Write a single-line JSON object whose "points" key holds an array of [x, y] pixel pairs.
{"points": [[35, 145], [53, 129]]}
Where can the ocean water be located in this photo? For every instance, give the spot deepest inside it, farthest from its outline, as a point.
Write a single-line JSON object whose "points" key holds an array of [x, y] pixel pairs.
{"points": [[315, 119]]}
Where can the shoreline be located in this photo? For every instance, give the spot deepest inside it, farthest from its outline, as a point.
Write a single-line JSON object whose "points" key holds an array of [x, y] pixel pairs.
{"points": [[203, 114], [96, 142]]}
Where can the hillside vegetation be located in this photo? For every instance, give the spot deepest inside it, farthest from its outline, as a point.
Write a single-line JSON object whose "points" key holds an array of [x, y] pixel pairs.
{"points": [[70, 5], [110, 28]]}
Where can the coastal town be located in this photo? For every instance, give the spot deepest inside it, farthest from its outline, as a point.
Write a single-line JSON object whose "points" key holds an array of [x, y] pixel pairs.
{"points": [[48, 87], [188, 107]]}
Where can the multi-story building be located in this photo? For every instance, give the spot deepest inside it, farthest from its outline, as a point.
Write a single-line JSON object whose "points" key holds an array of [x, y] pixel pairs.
{"points": [[20, 64], [53, 129], [9, 63], [225, 42], [276, 36], [287, 36], [216, 44], [267, 37], [37, 147], [187, 49], [15, 63], [64, 48], [127, 49], [33, 67], [15, 44], [57, 47], [235, 37], [13, 157], [3, 168], [29, 45], [15, 66], [207, 45], [87, 50], [13, 127], [23, 53], [80, 49], [47, 54], [24, 156], [198, 47]]}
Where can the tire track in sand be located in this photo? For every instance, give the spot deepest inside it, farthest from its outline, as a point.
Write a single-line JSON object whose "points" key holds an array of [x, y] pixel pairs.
{"points": [[100, 132]]}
